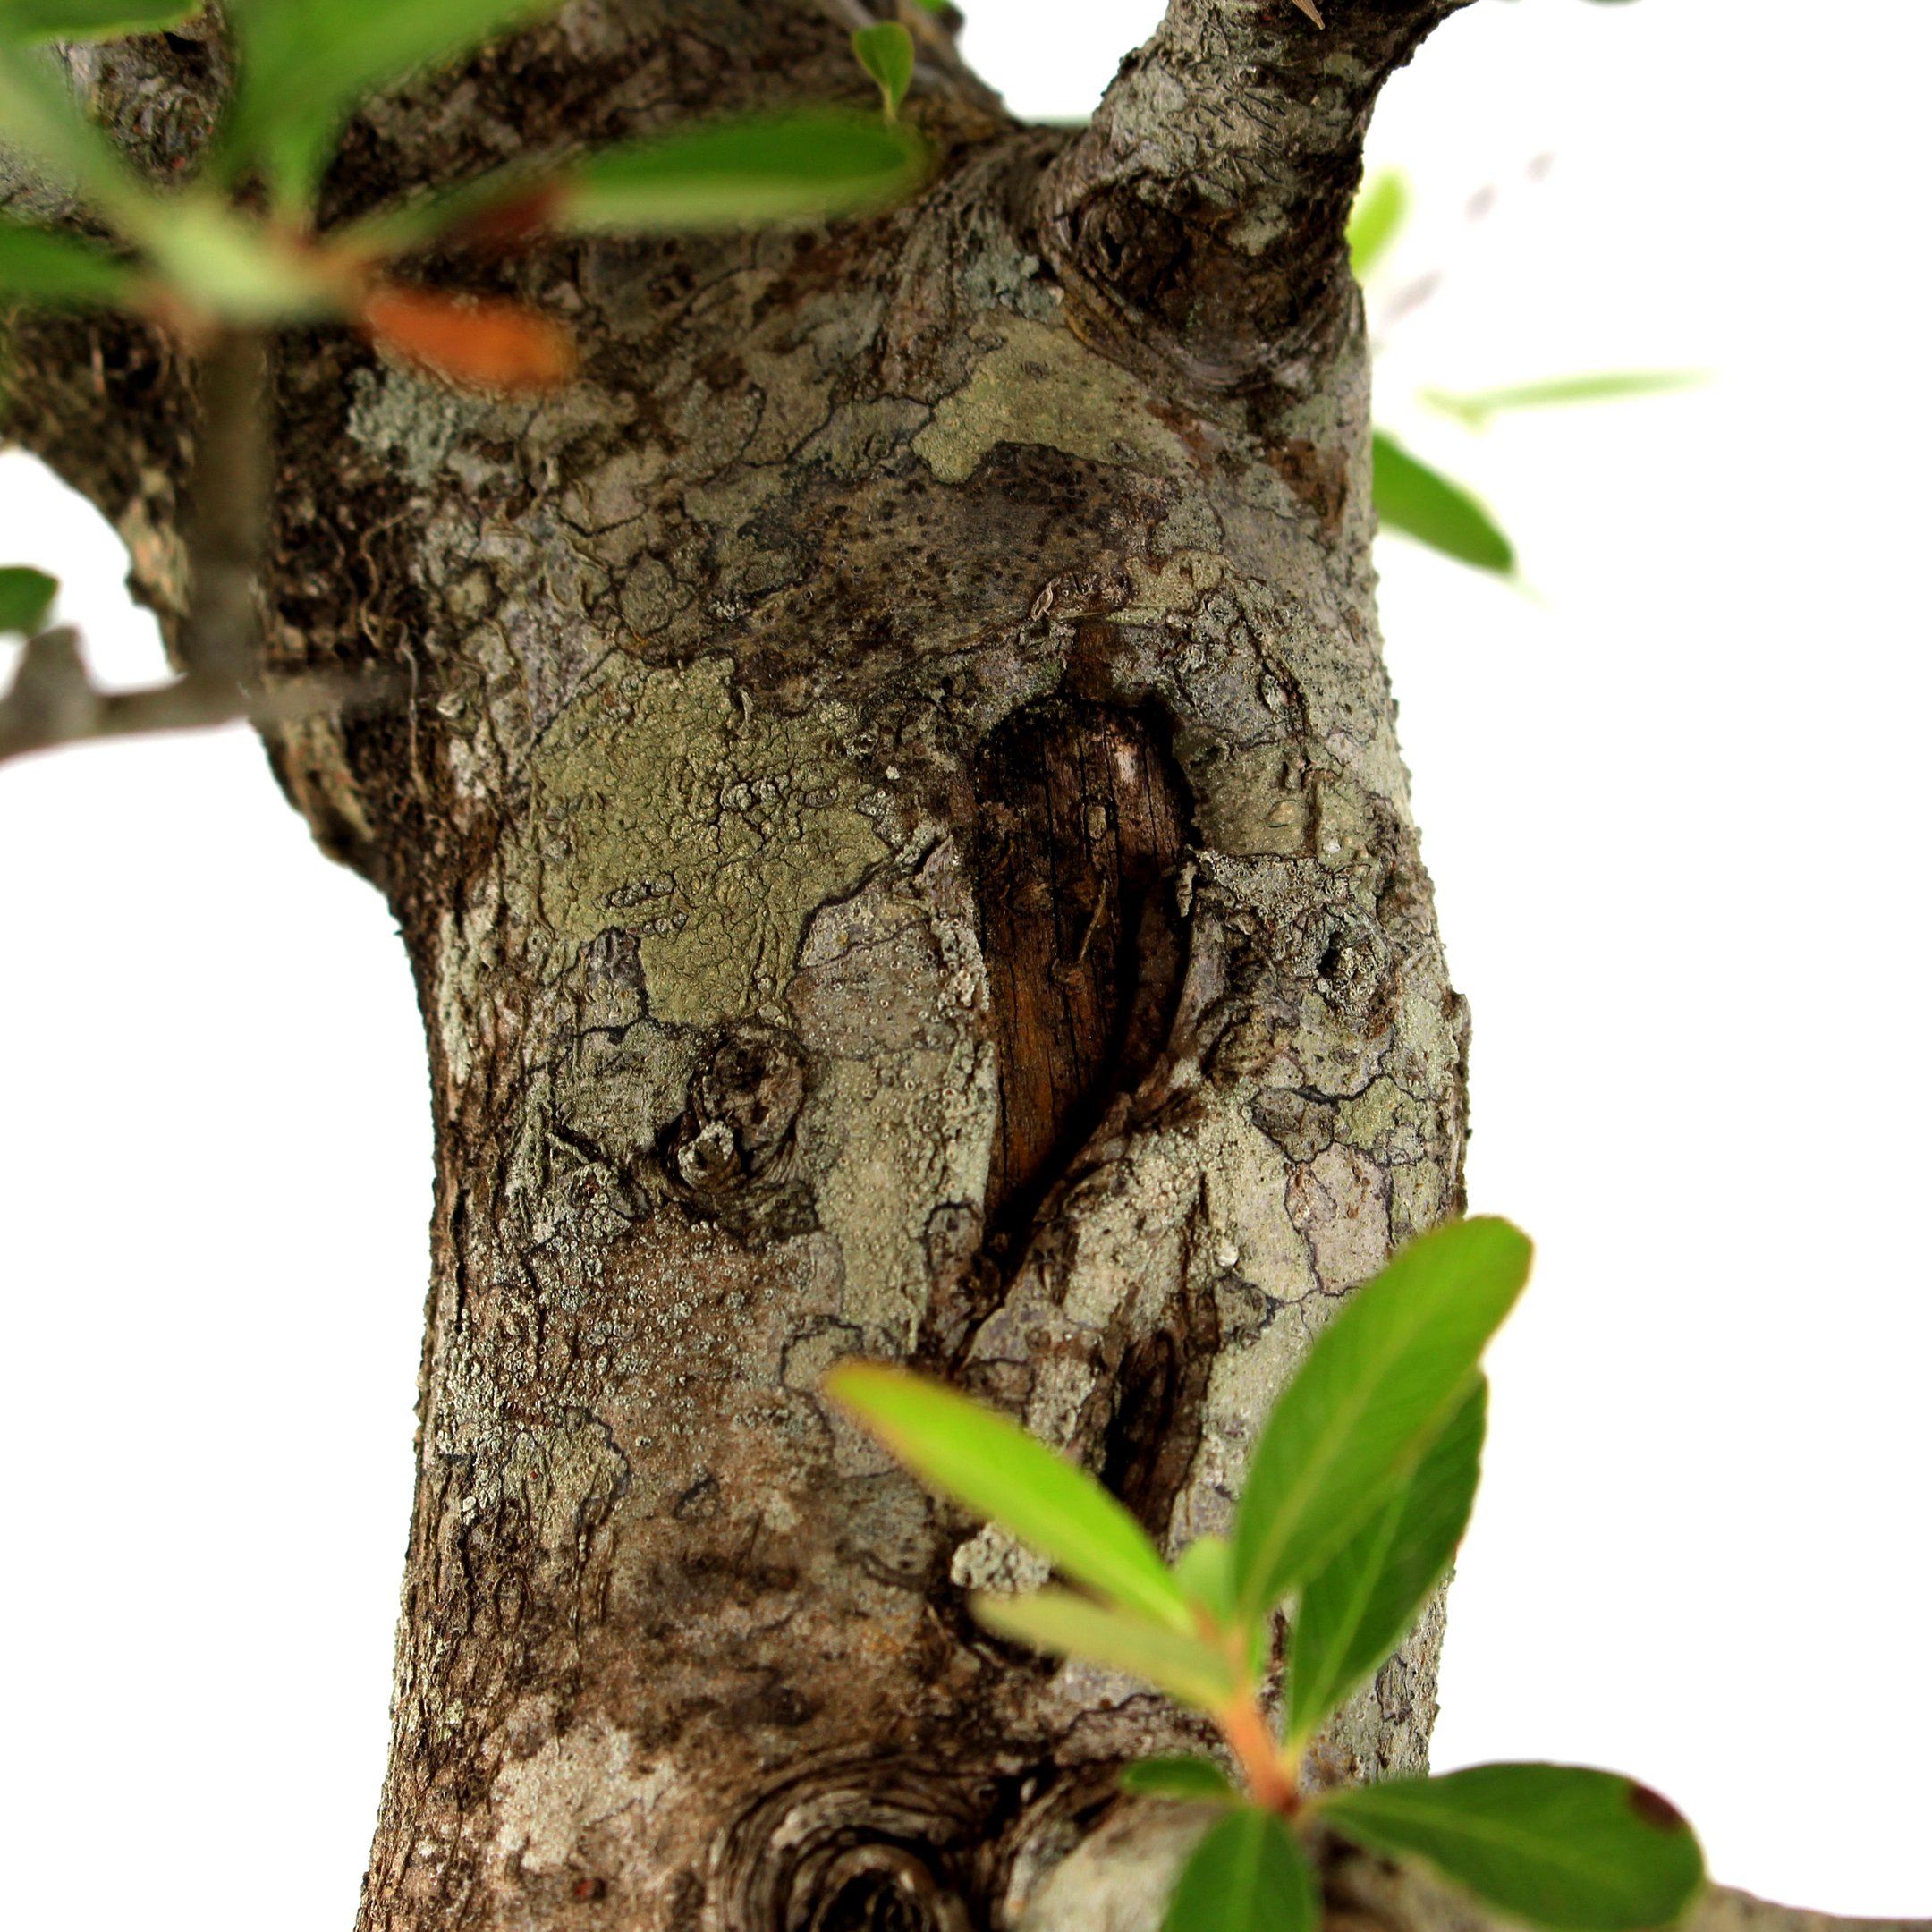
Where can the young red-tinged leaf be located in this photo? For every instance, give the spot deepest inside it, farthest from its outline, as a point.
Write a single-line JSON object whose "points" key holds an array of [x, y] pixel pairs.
{"points": [[1194, 1780], [90, 19], [1067, 1624], [1424, 504], [808, 165], [979, 1458], [884, 51], [1361, 1604], [497, 345], [306, 63], [26, 596], [1380, 1384], [1248, 1874], [40, 265], [1575, 1850]]}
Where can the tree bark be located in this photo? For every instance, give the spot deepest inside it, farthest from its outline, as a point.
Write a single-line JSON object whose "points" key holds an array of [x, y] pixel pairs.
{"points": [[897, 822]]}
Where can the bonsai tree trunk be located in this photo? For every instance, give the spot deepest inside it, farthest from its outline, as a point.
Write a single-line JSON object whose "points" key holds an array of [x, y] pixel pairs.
{"points": [[891, 797]]}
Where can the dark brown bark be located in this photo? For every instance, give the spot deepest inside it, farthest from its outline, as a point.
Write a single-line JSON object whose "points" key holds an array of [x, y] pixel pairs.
{"points": [[891, 799]]}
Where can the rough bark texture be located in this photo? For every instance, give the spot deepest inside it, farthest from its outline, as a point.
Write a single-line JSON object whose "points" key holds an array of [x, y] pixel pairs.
{"points": [[899, 829]]}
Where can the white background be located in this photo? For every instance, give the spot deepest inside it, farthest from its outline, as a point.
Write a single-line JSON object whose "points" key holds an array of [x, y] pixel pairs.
{"points": [[1675, 810]]}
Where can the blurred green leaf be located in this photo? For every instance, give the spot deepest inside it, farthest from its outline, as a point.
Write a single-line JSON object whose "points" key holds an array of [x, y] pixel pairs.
{"points": [[26, 596], [1475, 411], [42, 265], [1381, 210], [306, 63], [41, 121], [1070, 1626], [1382, 1381], [1360, 1606], [1246, 1875], [806, 166], [884, 51], [979, 1458], [90, 19], [1576, 1849], [1421, 503], [1205, 1571], [222, 264], [1193, 1779]]}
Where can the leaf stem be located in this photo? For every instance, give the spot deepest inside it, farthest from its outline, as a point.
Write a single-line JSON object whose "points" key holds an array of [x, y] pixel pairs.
{"points": [[1272, 1782]]}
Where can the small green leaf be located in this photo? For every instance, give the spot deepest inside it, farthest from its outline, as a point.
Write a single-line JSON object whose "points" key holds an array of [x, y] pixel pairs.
{"points": [[1205, 1571], [806, 166], [1575, 1850], [1070, 1626], [979, 1458], [90, 19], [1194, 1779], [1360, 1604], [1475, 411], [306, 63], [42, 265], [26, 596], [1421, 503], [1381, 1382], [1381, 210], [1246, 1875], [884, 51]]}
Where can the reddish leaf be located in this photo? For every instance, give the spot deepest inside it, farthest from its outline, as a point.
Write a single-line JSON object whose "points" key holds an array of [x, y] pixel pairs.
{"points": [[481, 344]]}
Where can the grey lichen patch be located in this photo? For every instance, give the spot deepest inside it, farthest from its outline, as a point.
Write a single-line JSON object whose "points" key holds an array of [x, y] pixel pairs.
{"points": [[546, 1802], [1040, 386], [674, 808], [413, 421]]}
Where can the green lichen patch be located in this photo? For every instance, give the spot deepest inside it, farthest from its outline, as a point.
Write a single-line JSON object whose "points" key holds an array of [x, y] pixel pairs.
{"points": [[711, 830], [1041, 387]]}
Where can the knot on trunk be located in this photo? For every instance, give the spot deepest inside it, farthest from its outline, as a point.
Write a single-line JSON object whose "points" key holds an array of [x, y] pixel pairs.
{"points": [[858, 1845], [729, 1154]]}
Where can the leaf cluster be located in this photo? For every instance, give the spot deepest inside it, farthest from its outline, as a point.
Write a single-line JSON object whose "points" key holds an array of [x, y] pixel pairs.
{"points": [[202, 259], [1358, 1493]]}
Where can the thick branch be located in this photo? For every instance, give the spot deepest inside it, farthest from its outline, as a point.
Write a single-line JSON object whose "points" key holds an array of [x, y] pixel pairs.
{"points": [[1201, 219], [1121, 1876]]}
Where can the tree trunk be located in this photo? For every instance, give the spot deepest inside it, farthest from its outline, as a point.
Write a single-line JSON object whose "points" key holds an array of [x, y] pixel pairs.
{"points": [[894, 805]]}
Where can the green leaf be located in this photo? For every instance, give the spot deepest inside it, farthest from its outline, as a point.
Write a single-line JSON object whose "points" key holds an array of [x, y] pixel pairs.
{"points": [[1475, 411], [306, 63], [1576, 1849], [1360, 1604], [1246, 1875], [1381, 210], [90, 19], [26, 596], [1381, 1382], [1421, 503], [1070, 1626], [884, 51], [1205, 1571], [805, 166], [40, 120], [979, 1458], [1194, 1779], [42, 265]]}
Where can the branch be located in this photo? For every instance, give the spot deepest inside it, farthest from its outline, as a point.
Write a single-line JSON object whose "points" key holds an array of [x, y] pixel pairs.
{"points": [[1201, 219], [1120, 1878]]}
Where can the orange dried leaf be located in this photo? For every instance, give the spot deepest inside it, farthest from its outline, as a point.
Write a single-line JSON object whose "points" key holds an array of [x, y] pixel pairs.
{"points": [[498, 346]]}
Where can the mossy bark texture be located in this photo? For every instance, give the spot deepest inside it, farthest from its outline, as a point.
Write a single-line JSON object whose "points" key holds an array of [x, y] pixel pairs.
{"points": [[892, 796]]}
